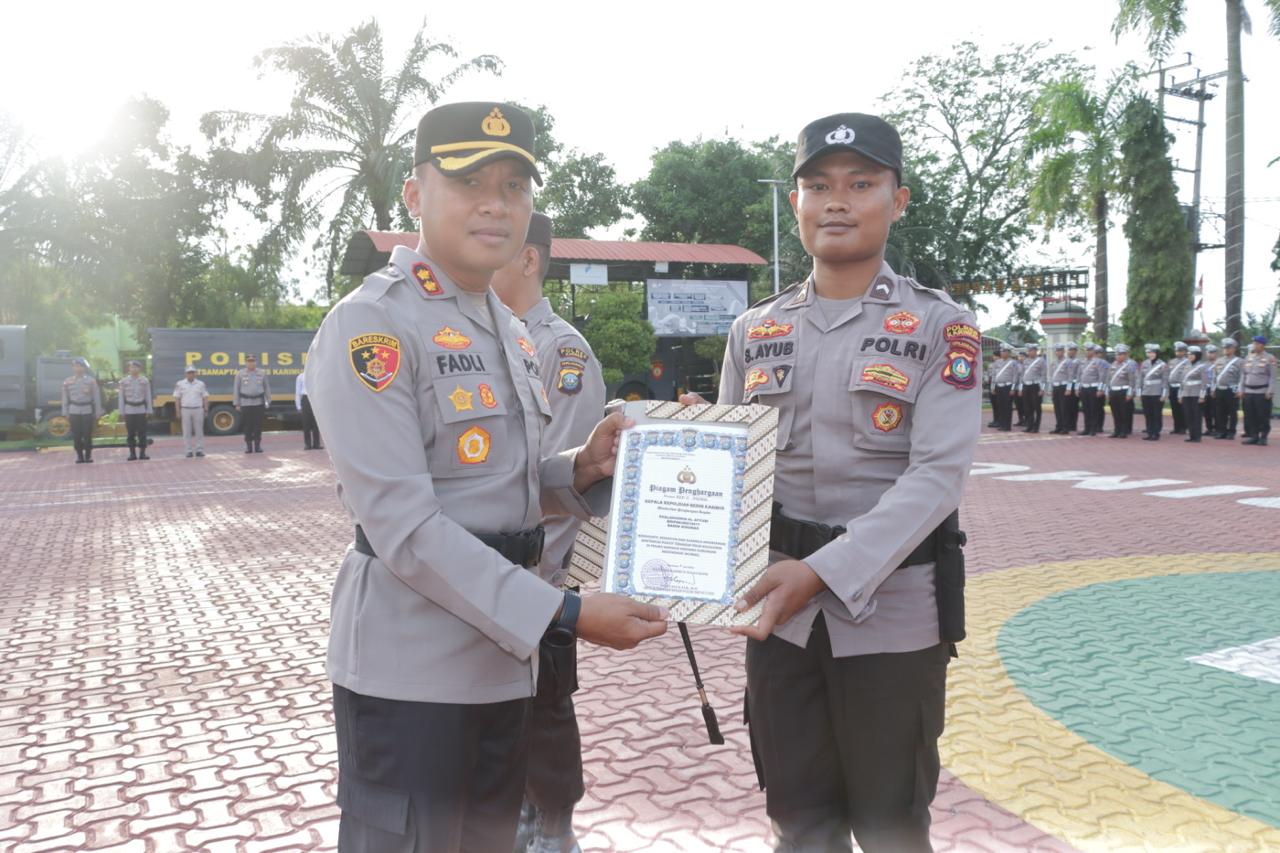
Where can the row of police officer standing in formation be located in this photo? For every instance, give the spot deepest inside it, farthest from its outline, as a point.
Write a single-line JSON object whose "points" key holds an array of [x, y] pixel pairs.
{"points": [[465, 439], [1200, 387]]}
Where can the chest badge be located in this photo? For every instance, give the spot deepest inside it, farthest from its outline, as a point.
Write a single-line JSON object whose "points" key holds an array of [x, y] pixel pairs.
{"points": [[527, 347], [487, 398], [901, 323], [755, 378], [461, 399], [427, 280], [473, 446], [451, 338], [887, 417], [769, 329], [887, 376], [375, 359]]}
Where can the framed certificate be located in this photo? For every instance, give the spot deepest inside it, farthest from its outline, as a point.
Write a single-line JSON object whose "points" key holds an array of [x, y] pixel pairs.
{"points": [[692, 499]]}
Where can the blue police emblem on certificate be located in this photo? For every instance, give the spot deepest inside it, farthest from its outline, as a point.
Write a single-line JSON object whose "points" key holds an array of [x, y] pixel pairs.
{"points": [[677, 500]]}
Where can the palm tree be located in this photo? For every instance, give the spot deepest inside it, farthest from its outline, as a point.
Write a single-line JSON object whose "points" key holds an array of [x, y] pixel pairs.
{"points": [[346, 140], [1165, 20], [1077, 140]]}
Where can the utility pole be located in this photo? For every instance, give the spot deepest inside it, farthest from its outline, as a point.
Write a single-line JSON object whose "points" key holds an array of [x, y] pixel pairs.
{"points": [[1162, 71], [1196, 90], [774, 184]]}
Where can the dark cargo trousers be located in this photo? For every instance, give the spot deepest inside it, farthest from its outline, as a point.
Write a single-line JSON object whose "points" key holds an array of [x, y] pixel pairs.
{"points": [[846, 745], [555, 781]]}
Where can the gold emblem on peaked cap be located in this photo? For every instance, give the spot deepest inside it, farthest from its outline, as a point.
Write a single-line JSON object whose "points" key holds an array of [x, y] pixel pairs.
{"points": [[495, 124]]}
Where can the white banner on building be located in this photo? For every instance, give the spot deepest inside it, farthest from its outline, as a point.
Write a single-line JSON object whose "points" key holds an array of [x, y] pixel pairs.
{"points": [[694, 308]]}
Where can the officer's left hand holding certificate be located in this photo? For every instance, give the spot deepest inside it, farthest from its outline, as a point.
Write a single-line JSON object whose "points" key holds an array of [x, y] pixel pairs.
{"points": [[692, 495]]}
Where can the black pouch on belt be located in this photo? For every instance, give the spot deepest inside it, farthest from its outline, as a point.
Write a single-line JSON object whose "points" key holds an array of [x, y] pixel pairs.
{"points": [[949, 579]]}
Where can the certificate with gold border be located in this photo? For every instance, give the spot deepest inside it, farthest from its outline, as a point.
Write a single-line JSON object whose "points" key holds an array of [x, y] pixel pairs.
{"points": [[692, 499]]}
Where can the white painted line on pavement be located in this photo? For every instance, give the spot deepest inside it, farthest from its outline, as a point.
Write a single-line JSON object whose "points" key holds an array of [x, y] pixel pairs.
{"points": [[1205, 491], [1260, 660], [1265, 503]]}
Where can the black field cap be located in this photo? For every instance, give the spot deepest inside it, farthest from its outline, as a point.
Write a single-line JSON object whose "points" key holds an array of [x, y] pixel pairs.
{"points": [[460, 138], [870, 136], [539, 231]]}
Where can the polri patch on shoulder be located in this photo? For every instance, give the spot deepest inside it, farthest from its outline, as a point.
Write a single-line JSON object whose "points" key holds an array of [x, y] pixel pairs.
{"points": [[958, 369], [574, 352], [375, 358], [570, 381]]}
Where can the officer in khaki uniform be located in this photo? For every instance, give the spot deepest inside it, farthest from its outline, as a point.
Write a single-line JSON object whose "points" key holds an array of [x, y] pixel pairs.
{"points": [[1093, 381], [135, 405], [82, 405], [574, 385], [1067, 372], [1195, 390], [1122, 384], [1226, 385], [251, 396], [876, 381], [1153, 384], [1177, 368], [1005, 374], [1209, 405], [1257, 387], [429, 394], [1035, 371]]}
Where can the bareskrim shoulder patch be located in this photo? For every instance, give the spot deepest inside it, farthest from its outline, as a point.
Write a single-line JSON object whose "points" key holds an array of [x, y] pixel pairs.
{"points": [[376, 359]]}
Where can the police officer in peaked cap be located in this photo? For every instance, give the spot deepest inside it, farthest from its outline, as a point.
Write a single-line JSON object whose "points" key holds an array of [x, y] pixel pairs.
{"points": [[429, 393], [877, 390]]}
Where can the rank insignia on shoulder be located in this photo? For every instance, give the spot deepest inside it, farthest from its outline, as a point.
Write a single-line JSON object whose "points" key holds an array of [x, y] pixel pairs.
{"points": [[769, 329], [527, 347], [570, 381], [487, 398], [958, 369], [376, 359], [901, 323], [886, 375], [426, 278], [961, 332], [755, 378], [887, 417], [473, 446], [574, 352], [451, 338], [461, 399]]}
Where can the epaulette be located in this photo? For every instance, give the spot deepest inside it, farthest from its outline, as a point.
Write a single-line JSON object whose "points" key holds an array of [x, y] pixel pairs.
{"points": [[375, 284], [781, 293], [936, 292]]}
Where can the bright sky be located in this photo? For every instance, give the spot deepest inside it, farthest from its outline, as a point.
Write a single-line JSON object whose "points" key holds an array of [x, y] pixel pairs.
{"points": [[627, 79]]}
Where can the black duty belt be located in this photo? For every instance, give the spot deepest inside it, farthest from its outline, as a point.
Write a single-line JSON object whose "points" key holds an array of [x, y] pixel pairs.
{"points": [[798, 539], [1260, 389], [523, 548], [252, 396], [135, 402]]}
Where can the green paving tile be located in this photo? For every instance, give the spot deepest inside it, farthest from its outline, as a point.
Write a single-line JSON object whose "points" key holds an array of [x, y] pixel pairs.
{"points": [[1109, 662]]}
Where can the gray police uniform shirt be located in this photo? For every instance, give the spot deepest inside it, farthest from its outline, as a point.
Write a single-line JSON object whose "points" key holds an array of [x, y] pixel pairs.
{"points": [[878, 419], [1227, 376], [1177, 368], [190, 393], [1258, 373], [574, 383], [1067, 373], [252, 388], [1093, 373], [1034, 372], [1123, 377], [1154, 381], [81, 396], [1007, 371], [1195, 381], [135, 395], [433, 410]]}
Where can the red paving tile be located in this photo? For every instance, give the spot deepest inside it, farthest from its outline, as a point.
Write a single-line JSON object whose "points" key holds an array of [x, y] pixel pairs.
{"points": [[162, 683]]}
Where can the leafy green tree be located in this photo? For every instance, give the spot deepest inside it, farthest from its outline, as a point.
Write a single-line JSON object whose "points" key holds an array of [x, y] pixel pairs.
{"points": [[337, 160], [712, 349], [622, 341], [1160, 258], [1077, 142], [1163, 21], [580, 191], [965, 120]]}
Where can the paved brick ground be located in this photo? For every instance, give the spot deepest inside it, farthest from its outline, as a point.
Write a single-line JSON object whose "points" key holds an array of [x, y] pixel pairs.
{"points": [[161, 677]]}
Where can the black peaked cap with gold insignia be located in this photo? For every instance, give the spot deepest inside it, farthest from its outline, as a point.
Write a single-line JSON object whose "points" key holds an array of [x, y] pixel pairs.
{"points": [[460, 138], [540, 227], [870, 136]]}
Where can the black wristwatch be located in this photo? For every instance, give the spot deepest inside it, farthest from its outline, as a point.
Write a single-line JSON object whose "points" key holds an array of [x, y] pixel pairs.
{"points": [[564, 631]]}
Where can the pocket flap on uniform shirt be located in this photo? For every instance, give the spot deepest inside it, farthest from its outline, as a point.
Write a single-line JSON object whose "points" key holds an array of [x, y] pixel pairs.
{"points": [[885, 376], [540, 396], [464, 398], [376, 805]]}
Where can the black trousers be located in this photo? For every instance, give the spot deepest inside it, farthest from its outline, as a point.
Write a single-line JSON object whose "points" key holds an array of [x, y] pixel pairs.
{"points": [[1175, 408], [137, 428], [1227, 405], [1257, 415], [1209, 411], [252, 418], [1033, 405], [1059, 396], [555, 780], [423, 777], [1121, 413], [1153, 414], [846, 745], [1092, 400], [1191, 414], [1072, 414], [310, 429], [1002, 406], [82, 433], [1020, 407]]}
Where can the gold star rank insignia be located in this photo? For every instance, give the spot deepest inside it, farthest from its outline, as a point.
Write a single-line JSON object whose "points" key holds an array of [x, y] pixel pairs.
{"points": [[461, 399]]}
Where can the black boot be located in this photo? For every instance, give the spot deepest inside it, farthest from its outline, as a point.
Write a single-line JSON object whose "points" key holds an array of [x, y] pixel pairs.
{"points": [[248, 448], [79, 456], [257, 447], [1262, 441], [88, 455], [133, 455]]}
